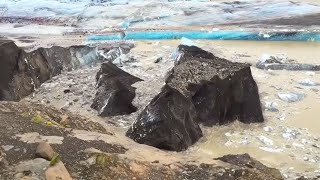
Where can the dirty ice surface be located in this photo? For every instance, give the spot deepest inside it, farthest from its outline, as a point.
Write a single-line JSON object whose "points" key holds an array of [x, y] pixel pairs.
{"points": [[145, 14]]}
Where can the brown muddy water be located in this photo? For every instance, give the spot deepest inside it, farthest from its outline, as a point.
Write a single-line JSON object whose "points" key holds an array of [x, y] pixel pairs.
{"points": [[290, 138], [269, 142]]}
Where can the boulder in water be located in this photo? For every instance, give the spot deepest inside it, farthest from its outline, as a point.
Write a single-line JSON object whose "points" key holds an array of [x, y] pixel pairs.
{"points": [[222, 91], [200, 88], [168, 122]]}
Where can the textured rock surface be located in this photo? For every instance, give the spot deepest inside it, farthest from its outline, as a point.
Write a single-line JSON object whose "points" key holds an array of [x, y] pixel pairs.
{"points": [[168, 122], [24, 125], [222, 91], [115, 93], [58, 171], [104, 161], [200, 88]]}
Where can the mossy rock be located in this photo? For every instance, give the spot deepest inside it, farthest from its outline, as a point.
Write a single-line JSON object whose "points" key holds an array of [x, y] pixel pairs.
{"points": [[55, 159], [106, 160], [38, 119]]}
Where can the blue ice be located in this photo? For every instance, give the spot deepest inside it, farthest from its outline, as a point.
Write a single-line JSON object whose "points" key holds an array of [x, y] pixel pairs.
{"points": [[217, 35]]}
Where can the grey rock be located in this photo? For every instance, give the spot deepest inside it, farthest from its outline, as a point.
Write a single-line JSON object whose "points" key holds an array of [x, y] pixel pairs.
{"points": [[37, 166]]}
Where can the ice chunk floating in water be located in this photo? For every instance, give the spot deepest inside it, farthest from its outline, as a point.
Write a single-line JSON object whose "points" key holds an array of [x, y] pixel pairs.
{"points": [[308, 82], [291, 97], [223, 35]]}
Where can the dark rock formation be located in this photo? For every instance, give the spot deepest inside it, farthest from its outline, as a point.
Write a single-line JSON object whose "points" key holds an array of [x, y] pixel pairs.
{"points": [[244, 160], [168, 122], [221, 92], [115, 93], [15, 77], [22, 72]]}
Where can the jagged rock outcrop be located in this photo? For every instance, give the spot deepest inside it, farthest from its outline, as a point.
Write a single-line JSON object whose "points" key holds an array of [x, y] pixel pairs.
{"points": [[22, 72], [220, 90], [168, 122], [115, 93]]}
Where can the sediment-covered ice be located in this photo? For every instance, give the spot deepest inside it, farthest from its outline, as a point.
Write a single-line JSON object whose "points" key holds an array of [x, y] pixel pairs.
{"points": [[155, 13]]}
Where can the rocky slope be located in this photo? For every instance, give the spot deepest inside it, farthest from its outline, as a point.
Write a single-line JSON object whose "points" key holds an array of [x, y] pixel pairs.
{"points": [[26, 125]]}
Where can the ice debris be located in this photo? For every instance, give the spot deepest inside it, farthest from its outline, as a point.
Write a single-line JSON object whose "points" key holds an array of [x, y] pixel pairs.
{"points": [[272, 150], [308, 82], [265, 140], [290, 134], [187, 42], [271, 106], [291, 97], [279, 59]]}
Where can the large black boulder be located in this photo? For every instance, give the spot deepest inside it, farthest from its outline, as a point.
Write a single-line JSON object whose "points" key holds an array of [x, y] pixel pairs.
{"points": [[115, 93], [222, 91], [168, 122], [200, 88]]}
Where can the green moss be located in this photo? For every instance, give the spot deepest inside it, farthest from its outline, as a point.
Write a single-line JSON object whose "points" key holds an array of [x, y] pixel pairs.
{"points": [[25, 115], [55, 159], [106, 160], [37, 119]]}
